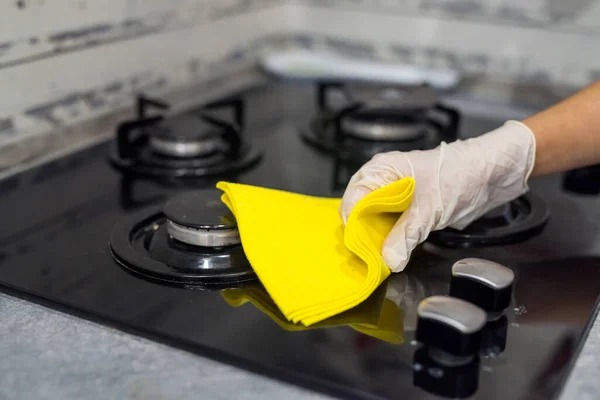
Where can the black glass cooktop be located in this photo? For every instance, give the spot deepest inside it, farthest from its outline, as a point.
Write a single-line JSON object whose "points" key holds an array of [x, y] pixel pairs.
{"points": [[54, 249]]}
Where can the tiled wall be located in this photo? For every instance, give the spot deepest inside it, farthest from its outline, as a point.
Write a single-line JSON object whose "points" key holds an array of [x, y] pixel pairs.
{"points": [[62, 61]]}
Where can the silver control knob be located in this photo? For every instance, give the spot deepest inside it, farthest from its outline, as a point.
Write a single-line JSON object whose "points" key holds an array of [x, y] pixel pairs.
{"points": [[484, 283], [450, 328]]}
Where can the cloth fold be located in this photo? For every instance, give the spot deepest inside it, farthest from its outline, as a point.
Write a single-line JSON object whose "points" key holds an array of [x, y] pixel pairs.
{"points": [[309, 264]]}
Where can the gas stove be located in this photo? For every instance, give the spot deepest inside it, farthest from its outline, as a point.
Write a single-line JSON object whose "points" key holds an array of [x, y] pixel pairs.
{"points": [[131, 233]]}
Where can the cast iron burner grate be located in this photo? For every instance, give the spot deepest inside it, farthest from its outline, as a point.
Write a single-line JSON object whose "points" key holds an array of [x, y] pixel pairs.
{"points": [[371, 119], [192, 242], [190, 145]]}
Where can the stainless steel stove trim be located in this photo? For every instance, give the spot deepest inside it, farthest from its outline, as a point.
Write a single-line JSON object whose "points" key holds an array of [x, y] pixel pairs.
{"points": [[203, 237]]}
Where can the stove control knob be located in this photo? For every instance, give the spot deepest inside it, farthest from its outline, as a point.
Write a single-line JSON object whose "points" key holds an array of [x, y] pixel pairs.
{"points": [[450, 328], [483, 283]]}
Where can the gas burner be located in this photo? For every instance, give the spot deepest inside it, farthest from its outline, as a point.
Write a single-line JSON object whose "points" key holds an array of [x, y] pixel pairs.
{"points": [[184, 136], [192, 242], [371, 119], [190, 145], [382, 126], [515, 222]]}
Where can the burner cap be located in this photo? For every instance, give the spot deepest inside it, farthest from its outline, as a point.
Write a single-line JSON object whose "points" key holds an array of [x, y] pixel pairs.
{"points": [[199, 218], [184, 128], [383, 125], [184, 136]]}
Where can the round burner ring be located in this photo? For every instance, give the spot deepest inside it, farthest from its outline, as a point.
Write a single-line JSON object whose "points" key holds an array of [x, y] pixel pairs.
{"points": [[199, 218], [203, 237], [383, 131], [382, 127], [183, 149], [185, 266], [184, 136]]}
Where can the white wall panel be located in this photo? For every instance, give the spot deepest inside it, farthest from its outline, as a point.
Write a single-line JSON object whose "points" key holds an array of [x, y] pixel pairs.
{"points": [[64, 88], [44, 28], [62, 61], [473, 46]]}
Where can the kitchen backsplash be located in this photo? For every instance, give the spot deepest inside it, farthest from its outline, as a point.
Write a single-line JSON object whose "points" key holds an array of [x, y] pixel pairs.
{"points": [[68, 60], [556, 15], [533, 41], [64, 61]]}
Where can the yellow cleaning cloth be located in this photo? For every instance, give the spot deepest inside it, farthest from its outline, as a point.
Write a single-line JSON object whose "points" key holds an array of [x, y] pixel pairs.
{"points": [[377, 316], [309, 264]]}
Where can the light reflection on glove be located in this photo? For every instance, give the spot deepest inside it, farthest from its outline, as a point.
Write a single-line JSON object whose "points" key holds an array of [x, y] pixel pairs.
{"points": [[456, 183]]}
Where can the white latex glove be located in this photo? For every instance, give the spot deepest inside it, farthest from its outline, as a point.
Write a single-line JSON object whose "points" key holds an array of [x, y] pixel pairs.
{"points": [[456, 183]]}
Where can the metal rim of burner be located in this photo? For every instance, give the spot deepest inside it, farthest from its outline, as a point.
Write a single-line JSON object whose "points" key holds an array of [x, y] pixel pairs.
{"points": [[140, 152], [194, 144], [204, 237], [199, 218], [183, 149], [371, 126], [144, 246], [360, 129]]}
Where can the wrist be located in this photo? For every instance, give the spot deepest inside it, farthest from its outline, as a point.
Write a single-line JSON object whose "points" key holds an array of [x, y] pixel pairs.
{"points": [[545, 161], [511, 153], [523, 134]]}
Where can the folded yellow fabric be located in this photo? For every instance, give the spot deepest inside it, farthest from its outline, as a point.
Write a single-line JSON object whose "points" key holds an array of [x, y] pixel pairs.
{"points": [[309, 264], [377, 316]]}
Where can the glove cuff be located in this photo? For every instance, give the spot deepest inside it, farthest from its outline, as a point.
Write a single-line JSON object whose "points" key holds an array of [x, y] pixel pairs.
{"points": [[519, 128], [512, 147], [500, 164]]}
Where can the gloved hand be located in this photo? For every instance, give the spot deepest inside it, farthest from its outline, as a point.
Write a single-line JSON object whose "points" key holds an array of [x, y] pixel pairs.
{"points": [[456, 183]]}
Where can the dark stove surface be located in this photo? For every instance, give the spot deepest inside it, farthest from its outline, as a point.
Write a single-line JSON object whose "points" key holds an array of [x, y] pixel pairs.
{"points": [[54, 249]]}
